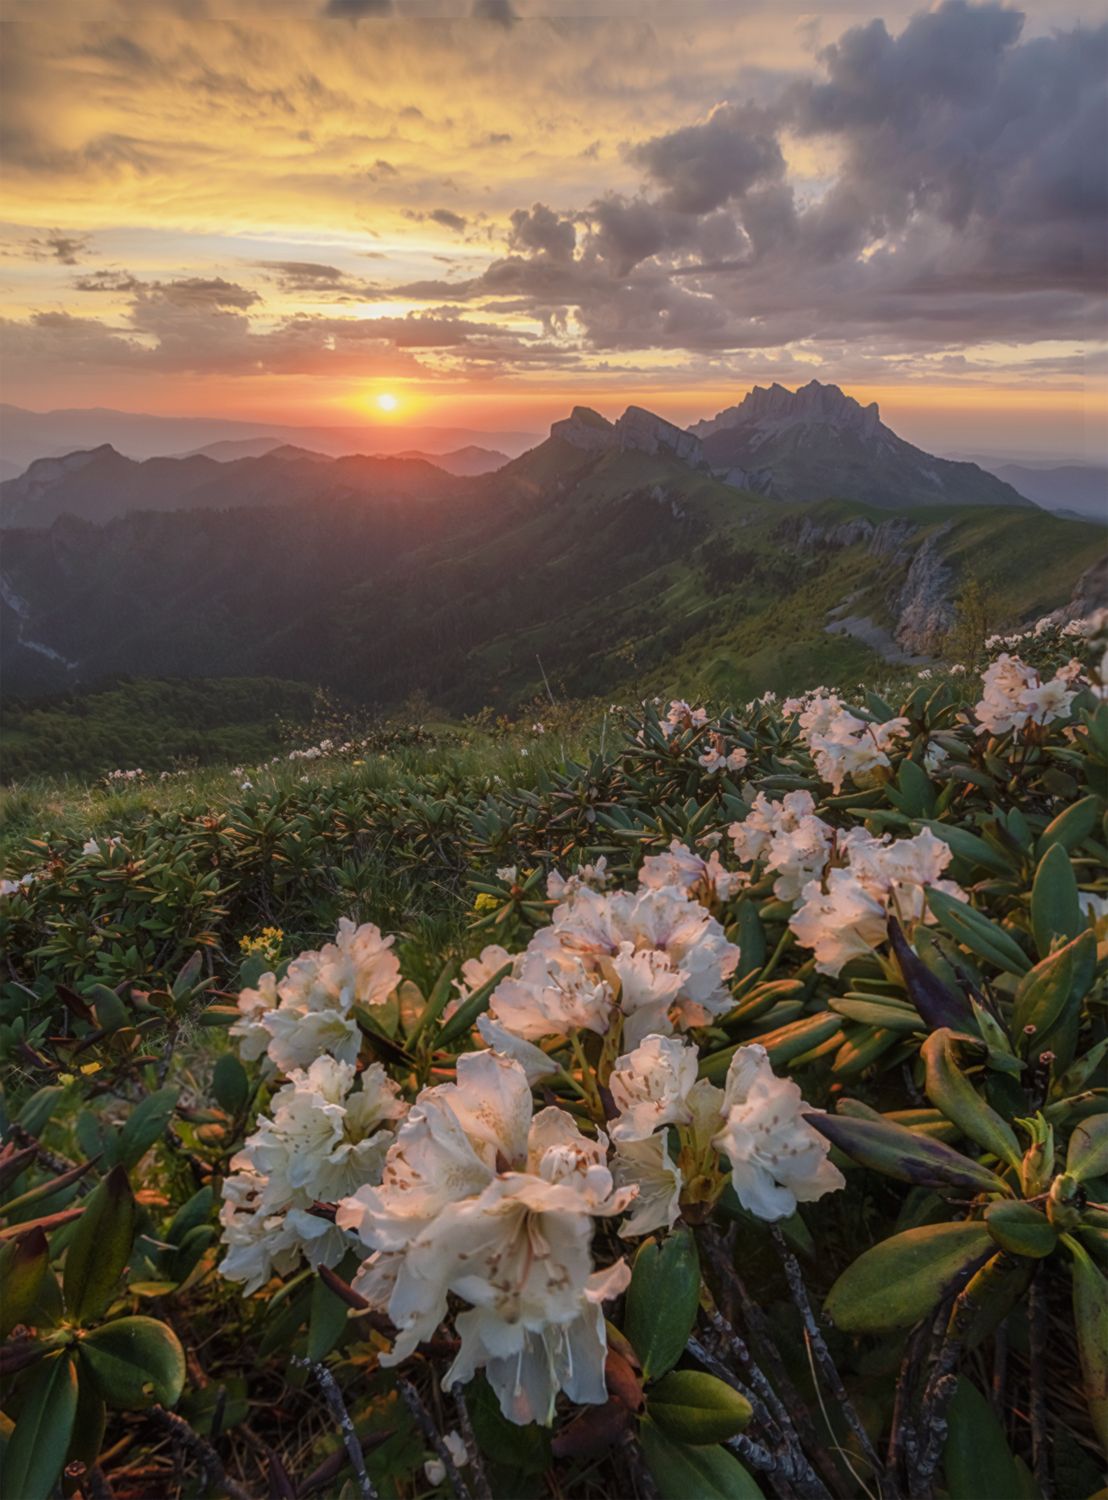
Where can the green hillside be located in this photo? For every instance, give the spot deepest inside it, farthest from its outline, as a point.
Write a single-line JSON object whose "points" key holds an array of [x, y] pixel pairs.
{"points": [[601, 574]]}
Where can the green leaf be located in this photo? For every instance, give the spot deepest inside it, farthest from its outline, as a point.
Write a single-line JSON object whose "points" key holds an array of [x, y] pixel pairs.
{"points": [[1021, 1229], [977, 933], [902, 1279], [136, 1363], [1046, 991], [693, 1407], [751, 939], [977, 1460], [1090, 1317], [662, 1301], [1072, 826], [146, 1124], [326, 1321], [23, 1264], [230, 1085], [895, 1151], [36, 1449], [968, 846], [683, 1472], [100, 1248], [950, 1090], [467, 1013], [525, 1447], [436, 1002], [39, 1109], [1087, 1155], [1055, 907]]}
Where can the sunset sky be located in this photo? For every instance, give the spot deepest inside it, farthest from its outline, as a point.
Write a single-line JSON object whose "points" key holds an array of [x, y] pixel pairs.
{"points": [[490, 211]]}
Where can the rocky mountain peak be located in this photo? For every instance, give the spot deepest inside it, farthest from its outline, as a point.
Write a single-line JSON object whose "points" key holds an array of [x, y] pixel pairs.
{"points": [[637, 430], [776, 406]]}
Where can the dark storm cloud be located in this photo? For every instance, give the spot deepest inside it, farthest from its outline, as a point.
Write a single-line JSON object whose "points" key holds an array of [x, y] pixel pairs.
{"points": [[703, 166], [539, 228], [968, 201]]}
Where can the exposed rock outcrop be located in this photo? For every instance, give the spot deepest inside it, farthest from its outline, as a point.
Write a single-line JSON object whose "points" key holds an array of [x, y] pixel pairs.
{"points": [[775, 405], [637, 430], [924, 609], [586, 429]]}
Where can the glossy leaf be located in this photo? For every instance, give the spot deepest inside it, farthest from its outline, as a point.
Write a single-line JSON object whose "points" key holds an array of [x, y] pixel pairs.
{"points": [[902, 1279], [1090, 1316], [23, 1264], [976, 1459], [1087, 1156], [694, 1407], [938, 1005], [136, 1363], [1055, 908], [662, 1301], [37, 1447], [683, 1472], [100, 1248], [895, 1151], [146, 1124], [950, 1090], [977, 933], [230, 1085]]}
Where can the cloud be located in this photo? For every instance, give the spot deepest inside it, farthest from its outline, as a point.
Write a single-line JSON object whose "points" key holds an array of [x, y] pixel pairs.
{"points": [[69, 249], [499, 11], [540, 229], [356, 10], [899, 192], [448, 219], [700, 167]]}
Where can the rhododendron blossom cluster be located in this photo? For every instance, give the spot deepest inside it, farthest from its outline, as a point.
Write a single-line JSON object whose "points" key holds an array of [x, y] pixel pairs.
{"points": [[310, 1011]]}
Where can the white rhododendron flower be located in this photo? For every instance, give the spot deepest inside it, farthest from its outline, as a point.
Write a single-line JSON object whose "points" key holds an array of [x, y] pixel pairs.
{"points": [[839, 920], [665, 957], [697, 877], [647, 1166], [844, 745], [717, 758], [323, 1139], [309, 1012], [1013, 696], [550, 993], [562, 887], [777, 1159], [483, 1200], [788, 837], [650, 1086], [845, 915]]}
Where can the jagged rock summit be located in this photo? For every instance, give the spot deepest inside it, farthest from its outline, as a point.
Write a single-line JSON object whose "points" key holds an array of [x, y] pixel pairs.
{"points": [[638, 429], [772, 406], [818, 443]]}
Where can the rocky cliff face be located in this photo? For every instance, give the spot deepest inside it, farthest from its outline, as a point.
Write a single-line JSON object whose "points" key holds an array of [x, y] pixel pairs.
{"points": [[585, 429], [775, 406], [638, 430], [817, 443], [924, 608]]}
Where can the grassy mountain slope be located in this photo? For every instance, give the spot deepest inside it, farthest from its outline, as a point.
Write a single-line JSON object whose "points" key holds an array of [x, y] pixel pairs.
{"points": [[602, 571]]}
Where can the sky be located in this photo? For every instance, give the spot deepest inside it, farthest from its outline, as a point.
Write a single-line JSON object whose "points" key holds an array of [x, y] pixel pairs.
{"points": [[483, 212]]}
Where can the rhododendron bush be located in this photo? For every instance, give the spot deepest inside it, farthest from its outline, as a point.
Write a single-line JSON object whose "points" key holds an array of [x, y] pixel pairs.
{"points": [[750, 1136]]}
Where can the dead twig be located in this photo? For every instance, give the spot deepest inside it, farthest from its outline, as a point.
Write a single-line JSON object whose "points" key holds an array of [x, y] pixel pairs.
{"points": [[333, 1396]]}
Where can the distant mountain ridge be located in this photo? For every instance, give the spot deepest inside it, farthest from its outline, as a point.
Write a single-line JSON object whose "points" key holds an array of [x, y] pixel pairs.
{"points": [[818, 443], [26, 435], [1072, 489], [99, 484]]}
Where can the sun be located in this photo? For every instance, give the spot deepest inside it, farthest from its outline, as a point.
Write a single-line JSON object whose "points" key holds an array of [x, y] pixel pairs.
{"points": [[386, 401]]}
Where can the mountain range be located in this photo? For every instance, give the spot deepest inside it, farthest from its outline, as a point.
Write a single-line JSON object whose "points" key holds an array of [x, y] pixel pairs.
{"points": [[605, 559], [813, 444], [27, 435]]}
